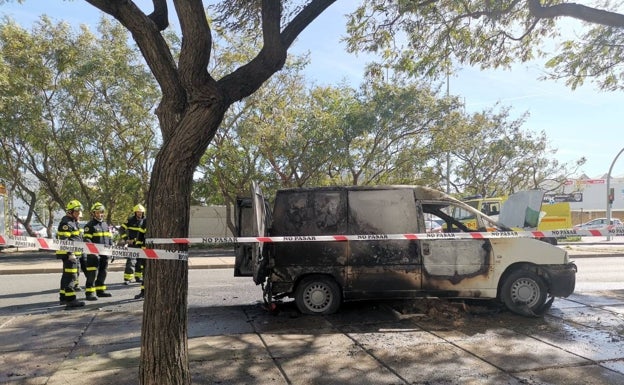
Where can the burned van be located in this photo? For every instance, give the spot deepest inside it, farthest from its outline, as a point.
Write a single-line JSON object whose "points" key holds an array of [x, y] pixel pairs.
{"points": [[523, 273]]}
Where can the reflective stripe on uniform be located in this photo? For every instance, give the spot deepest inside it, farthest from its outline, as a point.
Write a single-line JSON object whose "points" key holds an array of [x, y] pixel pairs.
{"points": [[100, 234]]}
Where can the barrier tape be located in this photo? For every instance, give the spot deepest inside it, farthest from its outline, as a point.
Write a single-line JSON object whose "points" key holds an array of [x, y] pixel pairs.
{"points": [[123, 252], [613, 231], [91, 248]]}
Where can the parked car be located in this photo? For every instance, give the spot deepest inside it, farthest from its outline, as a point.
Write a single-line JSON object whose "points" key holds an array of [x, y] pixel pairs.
{"points": [[524, 274], [19, 229], [434, 225], [42, 232], [598, 224]]}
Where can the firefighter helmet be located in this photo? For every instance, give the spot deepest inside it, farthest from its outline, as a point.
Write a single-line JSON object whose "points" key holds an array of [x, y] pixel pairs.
{"points": [[73, 205], [97, 206], [139, 208]]}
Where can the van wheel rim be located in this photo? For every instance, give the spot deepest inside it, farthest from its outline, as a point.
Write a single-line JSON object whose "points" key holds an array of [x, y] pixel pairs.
{"points": [[318, 297], [525, 291]]}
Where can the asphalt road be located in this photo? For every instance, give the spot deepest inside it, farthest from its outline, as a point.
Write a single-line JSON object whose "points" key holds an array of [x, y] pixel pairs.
{"points": [[38, 293], [234, 340]]}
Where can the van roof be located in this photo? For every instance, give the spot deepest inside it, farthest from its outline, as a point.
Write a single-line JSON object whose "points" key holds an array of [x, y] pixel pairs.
{"points": [[421, 192]]}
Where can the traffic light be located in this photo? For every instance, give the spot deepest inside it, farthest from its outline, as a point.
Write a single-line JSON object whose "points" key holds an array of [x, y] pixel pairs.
{"points": [[611, 195]]}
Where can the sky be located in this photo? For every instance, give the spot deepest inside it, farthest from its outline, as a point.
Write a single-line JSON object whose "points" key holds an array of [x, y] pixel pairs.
{"points": [[584, 122]]}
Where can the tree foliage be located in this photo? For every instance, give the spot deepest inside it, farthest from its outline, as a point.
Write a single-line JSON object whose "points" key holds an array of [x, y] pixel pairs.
{"points": [[492, 155], [76, 117], [428, 37], [290, 134]]}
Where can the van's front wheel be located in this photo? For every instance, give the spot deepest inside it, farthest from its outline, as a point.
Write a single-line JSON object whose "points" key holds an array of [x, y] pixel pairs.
{"points": [[318, 295], [524, 293]]}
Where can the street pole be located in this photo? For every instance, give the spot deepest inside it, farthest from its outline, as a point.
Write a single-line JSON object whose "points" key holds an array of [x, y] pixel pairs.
{"points": [[609, 204]]}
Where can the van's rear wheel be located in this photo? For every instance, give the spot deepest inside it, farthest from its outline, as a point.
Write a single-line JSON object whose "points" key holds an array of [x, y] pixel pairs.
{"points": [[524, 293], [318, 295]]}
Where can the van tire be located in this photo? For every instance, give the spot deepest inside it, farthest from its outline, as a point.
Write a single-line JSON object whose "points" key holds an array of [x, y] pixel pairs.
{"points": [[317, 294], [524, 293]]}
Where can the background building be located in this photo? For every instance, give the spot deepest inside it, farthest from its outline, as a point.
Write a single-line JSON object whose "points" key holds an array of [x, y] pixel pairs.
{"points": [[588, 198]]}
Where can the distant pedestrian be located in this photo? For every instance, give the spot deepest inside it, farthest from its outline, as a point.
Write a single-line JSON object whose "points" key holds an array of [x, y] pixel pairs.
{"points": [[97, 231], [133, 235], [68, 229]]}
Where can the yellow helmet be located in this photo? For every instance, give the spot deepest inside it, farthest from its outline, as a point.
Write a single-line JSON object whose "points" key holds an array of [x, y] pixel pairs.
{"points": [[97, 206], [139, 207], [73, 205]]}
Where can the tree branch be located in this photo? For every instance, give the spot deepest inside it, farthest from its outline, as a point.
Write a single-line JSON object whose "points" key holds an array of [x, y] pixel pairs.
{"points": [[160, 16], [248, 78], [577, 11], [303, 19], [155, 50], [196, 44]]}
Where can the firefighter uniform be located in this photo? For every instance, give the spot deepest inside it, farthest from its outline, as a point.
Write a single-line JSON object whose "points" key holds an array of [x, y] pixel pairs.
{"points": [[97, 231], [133, 234], [68, 229]]}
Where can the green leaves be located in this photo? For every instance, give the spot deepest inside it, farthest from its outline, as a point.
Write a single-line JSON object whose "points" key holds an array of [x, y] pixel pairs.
{"points": [[420, 38], [76, 113]]}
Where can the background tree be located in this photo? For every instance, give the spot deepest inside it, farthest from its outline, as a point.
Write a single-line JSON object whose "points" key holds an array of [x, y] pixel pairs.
{"points": [[193, 105], [493, 155], [420, 37], [296, 135], [233, 158], [76, 118], [387, 135]]}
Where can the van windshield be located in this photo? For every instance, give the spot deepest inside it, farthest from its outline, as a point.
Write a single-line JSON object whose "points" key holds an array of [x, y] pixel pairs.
{"points": [[461, 214], [461, 217]]}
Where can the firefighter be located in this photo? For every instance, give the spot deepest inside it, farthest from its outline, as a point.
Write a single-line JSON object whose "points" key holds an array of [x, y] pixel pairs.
{"points": [[68, 229], [133, 235], [97, 231]]}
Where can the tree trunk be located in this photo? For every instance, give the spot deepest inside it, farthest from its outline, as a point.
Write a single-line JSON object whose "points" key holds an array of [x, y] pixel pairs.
{"points": [[190, 112], [164, 347]]}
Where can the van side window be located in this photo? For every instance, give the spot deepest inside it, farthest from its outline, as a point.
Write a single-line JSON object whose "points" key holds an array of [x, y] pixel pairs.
{"points": [[382, 211], [462, 215], [453, 221], [309, 213]]}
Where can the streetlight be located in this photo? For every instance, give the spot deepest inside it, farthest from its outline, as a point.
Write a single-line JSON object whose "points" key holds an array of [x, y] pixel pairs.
{"points": [[609, 203]]}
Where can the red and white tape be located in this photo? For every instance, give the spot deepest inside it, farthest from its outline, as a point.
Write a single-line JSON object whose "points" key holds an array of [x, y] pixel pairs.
{"points": [[91, 248], [614, 231], [123, 252]]}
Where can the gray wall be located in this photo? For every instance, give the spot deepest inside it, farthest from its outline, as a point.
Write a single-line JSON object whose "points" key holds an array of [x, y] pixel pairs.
{"points": [[208, 221]]}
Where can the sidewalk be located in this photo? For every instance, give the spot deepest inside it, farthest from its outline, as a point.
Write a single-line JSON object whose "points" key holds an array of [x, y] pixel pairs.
{"points": [[579, 342]]}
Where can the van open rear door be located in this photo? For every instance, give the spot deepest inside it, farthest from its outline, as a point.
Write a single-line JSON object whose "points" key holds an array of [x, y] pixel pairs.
{"points": [[243, 219], [261, 218], [252, 218]]}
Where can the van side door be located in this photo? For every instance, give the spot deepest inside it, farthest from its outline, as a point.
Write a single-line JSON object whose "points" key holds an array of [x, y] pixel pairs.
{"points": [[382, 268], [303, 214], [453, 266]]}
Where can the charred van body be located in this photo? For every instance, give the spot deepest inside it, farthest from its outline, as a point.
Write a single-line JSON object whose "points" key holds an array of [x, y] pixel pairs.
{"points": [[525, 274]]}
